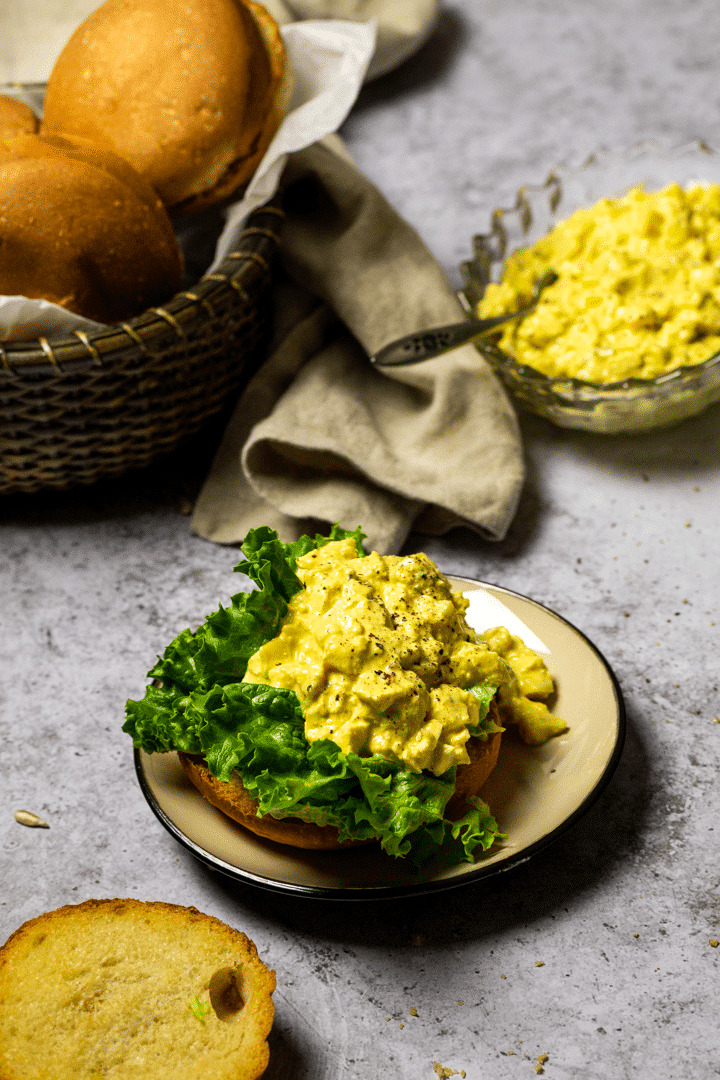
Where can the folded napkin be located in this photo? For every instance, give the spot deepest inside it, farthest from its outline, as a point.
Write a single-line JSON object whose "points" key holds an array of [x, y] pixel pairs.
{"points": [[319, 435]]}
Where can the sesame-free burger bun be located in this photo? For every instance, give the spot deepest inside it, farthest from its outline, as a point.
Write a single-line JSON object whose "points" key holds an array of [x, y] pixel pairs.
{"points": [[80, 228], [190, 92], [132, 990], [236, 802]]}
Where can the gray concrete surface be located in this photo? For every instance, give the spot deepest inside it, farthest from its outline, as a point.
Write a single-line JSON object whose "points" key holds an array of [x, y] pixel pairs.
{"points": [[620, 536]]}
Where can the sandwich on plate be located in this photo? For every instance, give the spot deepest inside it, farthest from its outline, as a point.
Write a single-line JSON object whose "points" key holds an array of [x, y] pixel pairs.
{"points": [[345, 700]]}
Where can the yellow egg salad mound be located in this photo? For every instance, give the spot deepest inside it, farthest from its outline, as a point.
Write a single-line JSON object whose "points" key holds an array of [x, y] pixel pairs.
{"points": [[637, 294], [379, 652]]}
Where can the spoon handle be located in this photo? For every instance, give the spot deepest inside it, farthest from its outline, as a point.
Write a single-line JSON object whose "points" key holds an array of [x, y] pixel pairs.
{"points": [[426, 344]]}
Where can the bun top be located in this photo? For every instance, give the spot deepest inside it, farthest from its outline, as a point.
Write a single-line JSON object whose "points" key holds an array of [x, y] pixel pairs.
{"points": [[133, 990], [189, 93], [80, 228]]}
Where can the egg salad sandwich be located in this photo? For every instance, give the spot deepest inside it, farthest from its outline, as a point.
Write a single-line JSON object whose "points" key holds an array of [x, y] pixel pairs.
{"points": [[345, 700]]}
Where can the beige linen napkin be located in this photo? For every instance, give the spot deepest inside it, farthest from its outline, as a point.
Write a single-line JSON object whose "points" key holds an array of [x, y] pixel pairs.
{"points": [[402, 25], [319, 435]]}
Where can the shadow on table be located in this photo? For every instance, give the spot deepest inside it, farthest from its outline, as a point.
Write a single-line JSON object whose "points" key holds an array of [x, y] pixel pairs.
{"points": [[422, 68], [553, 881], [683, 454], [171, 482], [684, 450], [289, 1057]]}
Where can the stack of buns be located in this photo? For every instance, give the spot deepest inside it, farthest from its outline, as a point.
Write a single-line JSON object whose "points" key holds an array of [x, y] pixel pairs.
{"points": [[186, 97], [133, 990]]}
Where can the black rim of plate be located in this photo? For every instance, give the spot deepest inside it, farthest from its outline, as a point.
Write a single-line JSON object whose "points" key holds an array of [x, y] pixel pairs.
{"points": [[476, 873]]}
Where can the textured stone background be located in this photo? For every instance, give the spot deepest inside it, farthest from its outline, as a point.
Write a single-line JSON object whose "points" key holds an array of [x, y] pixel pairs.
{"points": [[620, 536]]}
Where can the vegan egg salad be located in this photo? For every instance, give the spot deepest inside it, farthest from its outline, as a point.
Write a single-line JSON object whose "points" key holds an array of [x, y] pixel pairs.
{"points": [[637, 291], [343, 690], [378, 651]]}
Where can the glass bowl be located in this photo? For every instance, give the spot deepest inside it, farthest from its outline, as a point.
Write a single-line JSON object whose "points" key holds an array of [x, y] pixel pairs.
{"points": [[633, 405]]}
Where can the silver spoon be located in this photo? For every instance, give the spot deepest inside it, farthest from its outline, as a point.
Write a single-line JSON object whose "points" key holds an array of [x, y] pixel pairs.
{"points": [[426, 344]]}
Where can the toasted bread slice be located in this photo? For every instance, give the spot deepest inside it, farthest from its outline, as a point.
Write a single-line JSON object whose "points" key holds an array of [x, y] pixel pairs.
{"points": [[127, 990]]}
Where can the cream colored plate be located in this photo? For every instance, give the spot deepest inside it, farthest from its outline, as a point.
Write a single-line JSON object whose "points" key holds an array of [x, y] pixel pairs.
{"points": [[535, 793]]}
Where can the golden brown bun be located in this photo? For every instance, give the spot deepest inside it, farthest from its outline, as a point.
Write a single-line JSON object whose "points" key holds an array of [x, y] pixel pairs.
{"points": [[190, 94], [233, 799], [471, 778], [102, 988], [80, 228], [16, 118]]}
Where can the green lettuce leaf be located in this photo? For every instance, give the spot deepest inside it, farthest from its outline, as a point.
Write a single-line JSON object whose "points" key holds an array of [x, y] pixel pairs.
{"points": [[218, 652], [485, 692], [198, 704], [198, 1008]]}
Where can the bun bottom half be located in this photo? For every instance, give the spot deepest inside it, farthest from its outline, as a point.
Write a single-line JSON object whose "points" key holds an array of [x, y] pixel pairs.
{"points": [[235, 801]]}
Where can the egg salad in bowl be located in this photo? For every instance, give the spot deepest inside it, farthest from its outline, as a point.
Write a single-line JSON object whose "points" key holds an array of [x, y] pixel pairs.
{"points": [[627, 337], [345, 700]]}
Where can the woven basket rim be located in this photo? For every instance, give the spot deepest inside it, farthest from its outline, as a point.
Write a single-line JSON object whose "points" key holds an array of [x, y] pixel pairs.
{"points": [[77, 407], [255, 248]]}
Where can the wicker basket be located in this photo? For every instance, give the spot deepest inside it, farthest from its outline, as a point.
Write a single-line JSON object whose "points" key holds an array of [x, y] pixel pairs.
{"points": [[85, 406]]}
